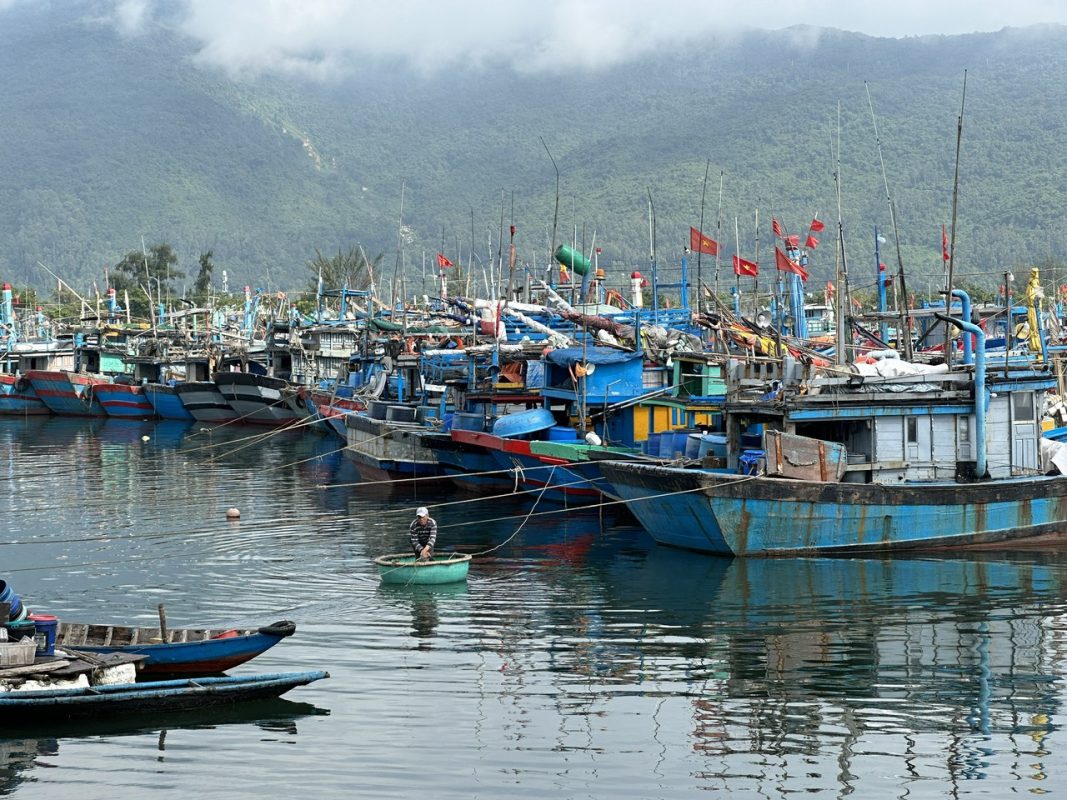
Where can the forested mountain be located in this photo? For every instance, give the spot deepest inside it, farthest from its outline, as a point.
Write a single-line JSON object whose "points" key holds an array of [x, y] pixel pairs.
{"points": [[107, 139]]}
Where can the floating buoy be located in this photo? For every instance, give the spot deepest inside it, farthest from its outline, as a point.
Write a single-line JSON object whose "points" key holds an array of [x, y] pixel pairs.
{"points": [[145, 438], [233, 513]]}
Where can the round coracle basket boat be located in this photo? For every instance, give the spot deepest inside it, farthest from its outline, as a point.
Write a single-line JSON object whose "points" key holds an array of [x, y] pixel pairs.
{"points": [[405, 568]]}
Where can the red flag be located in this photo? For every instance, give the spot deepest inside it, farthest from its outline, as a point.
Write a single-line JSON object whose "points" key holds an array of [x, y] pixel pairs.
{"points": [[792, 240], [817, 225], [811, 243], [442, 261], [699, 243], [776, 227], [784, 264], [744, 267], [944, 244]]}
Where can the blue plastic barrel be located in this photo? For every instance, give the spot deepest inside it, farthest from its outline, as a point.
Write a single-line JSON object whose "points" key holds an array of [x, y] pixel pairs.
{"points": [[652, 444], [561, 433], [45, 627], [713, 444], [7, 595]]}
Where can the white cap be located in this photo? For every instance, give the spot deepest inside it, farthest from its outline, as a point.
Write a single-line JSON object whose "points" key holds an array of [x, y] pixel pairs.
{"points": [[422, 511]]}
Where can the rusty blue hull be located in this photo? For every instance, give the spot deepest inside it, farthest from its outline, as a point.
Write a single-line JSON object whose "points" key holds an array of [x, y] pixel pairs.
{"points": [[729, 514]]}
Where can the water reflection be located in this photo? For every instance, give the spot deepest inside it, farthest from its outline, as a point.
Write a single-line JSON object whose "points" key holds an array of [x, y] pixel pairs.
{"points": [[577, 660], [30, 747]]}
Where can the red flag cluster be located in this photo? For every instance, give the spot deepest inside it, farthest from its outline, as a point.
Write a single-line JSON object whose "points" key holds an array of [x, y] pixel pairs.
{"points": [[442, 261], [699, 243]]}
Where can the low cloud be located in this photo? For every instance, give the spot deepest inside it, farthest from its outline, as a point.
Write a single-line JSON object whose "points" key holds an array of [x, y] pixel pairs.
{"points": [[320, 39]]}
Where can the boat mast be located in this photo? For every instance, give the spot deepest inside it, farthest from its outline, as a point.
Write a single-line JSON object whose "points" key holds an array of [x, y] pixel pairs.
{"points": [[843, 325], [952, 243], [904, 325]]}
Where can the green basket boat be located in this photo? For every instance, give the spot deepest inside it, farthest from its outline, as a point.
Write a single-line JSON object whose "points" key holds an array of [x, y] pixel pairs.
{"points": [[405, 568]]}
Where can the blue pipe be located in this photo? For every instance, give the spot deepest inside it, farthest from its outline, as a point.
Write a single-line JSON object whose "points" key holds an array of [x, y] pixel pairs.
{"points": [[965, 302], [979, 388]]}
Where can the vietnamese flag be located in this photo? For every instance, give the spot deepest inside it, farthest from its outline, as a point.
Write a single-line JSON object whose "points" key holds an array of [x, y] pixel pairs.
{"points": [[784, 264], [699, 243], [792, 240], [817, 225], [811, 243], [744, 267], [944, 244], [776, 227], [442, 261]]}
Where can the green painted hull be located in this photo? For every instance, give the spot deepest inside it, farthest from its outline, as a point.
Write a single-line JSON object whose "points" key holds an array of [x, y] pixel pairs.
{"points": [[404, 568]]}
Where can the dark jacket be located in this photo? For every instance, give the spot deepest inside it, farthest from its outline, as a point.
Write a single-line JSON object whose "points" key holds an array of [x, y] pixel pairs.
{"points": [[422, 535]]}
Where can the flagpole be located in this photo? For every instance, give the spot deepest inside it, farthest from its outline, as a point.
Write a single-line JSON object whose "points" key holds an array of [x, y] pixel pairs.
{"points": [[700, 249], [755, 278], [737, 270], [718, 232]]}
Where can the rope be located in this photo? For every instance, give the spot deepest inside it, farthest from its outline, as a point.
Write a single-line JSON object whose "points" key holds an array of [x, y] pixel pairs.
{"points": [[524, 520]]}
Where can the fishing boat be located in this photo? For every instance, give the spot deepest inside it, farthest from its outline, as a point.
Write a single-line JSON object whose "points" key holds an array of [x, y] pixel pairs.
{"points": [[204, 401], [67, 393], [31, 707], [185, 651], [123, 399], [405, 568], [166, 402], [882, 457], [259, 399]]}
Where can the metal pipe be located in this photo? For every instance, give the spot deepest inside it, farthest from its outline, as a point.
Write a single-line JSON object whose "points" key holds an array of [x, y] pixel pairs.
{"points": [[979, 388], [965, 302]]}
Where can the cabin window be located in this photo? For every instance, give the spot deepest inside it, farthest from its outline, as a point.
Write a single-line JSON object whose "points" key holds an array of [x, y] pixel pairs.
{"points": [[1022, 406], [913, 430]]}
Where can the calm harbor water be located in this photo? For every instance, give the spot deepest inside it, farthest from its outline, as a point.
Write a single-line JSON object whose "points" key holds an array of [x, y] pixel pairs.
{"points": [[578, 661]]}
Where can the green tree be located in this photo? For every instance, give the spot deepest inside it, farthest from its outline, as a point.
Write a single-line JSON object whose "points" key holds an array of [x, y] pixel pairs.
{"points": [[203, 277], [350, 270], [145, 274]]}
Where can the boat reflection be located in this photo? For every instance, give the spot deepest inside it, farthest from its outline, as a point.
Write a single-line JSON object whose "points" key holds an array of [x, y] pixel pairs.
{"points": [[20, 754]]}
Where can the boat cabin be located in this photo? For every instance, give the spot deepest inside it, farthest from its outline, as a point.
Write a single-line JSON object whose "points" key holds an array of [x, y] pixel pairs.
{"points": [[898, 427]]}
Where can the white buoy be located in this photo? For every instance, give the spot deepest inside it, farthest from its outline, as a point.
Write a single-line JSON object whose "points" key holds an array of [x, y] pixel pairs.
{"points": [[145, 438], [233, 513]]}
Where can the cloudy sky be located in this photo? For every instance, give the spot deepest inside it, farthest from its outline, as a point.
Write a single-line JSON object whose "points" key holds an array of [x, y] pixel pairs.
{"points": [[322, 37]]}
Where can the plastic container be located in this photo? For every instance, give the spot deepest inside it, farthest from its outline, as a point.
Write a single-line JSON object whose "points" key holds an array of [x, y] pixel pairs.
{"points": [[712, 444], [7, 595], [561, 433], [17, 630], [652, 444], [45, 627], [17, 654]]}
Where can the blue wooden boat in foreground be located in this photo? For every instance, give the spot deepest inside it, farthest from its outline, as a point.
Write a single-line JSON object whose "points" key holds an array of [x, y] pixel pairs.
{"points": [[187, 651], [33, 707]]}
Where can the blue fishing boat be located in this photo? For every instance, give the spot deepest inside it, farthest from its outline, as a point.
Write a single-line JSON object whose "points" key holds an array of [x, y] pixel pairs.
{"points": [[29, 708], [186, 651], [67, 393], [879, 457], [166, 402], [123, 399]]}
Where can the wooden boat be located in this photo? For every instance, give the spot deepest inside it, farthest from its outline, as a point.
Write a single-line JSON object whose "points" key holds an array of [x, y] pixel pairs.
{"points": [[186, 651], [153, 697], [405, 568], [890, 457], [67, 393], [257, 399], [124, 400]]}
